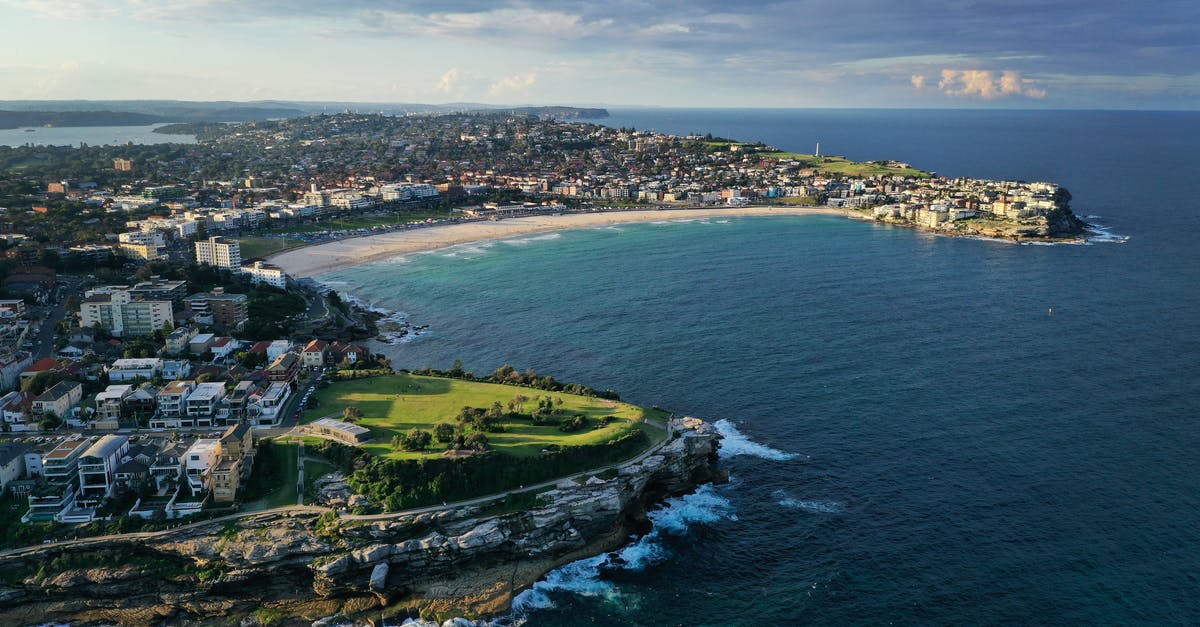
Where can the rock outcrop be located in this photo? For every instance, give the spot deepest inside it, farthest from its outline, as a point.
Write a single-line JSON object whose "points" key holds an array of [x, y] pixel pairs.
{"points": [[300, 565]]}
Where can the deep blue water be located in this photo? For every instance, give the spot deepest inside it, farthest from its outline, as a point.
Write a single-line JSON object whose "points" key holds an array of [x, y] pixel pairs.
{"points": [[917, 439]]}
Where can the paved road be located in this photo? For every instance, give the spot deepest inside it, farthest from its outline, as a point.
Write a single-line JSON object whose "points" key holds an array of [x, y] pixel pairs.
{"points": [[300, 508], [44, 343]]}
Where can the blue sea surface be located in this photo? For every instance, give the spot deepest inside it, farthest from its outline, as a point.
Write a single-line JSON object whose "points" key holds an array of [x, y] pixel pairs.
{"points": [[921, 429]]}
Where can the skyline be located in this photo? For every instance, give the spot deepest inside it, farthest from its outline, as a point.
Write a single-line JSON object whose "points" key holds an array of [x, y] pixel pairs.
{"points": [[1058, 55]]}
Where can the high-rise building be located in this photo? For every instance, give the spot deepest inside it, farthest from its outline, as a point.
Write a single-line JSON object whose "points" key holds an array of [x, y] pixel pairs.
{"points": [[216, 251], [123, 314]]}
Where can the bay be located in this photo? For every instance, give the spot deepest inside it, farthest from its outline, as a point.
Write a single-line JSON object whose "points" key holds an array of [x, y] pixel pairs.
{"points": [[922, 429]]}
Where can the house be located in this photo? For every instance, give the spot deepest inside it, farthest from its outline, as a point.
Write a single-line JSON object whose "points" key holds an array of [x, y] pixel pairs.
{"points": [[236, 452], [45, 364], [277, 348], [171, 400], [11, 366], [284, 369], [60, 400], [204, 401], [14, 412], [178, 340], [12, 463], [134, 469], [265, 405], [141, 404], [313, 354], [174, 369], [199, 458], [201, 343], [238, 399], [342, 353], [131, 369], [223, 347], [97, 466], [110, 406]]}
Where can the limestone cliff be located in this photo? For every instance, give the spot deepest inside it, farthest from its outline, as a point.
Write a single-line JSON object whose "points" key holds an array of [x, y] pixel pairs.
{"points": [[300, 565]]}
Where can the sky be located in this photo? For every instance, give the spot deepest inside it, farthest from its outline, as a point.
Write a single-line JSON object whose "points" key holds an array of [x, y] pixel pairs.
{"points": [[676, 53]]}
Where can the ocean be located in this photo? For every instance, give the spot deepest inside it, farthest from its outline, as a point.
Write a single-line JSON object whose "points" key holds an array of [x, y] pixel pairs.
{"points": [[921, 429]]}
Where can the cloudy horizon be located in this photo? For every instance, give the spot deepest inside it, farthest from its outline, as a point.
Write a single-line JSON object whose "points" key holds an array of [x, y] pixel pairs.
{"points": [[702, 53]]}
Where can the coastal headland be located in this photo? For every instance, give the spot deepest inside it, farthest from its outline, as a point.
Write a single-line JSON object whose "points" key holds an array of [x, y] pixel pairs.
{"points": [[299, 564], [327, 257]]}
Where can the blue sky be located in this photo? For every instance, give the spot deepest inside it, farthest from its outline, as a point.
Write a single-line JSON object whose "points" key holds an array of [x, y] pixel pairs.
{"points": [[701, 53]]}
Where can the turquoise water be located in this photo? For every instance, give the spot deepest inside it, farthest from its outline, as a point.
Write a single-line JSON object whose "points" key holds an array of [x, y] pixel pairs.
{"points": [[922, 429]]}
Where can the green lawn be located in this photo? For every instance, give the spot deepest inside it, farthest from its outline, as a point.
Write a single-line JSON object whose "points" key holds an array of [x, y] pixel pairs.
{"points": [[313, 470], [272, 482], [839, 165], [394, 404], [263, 246]]}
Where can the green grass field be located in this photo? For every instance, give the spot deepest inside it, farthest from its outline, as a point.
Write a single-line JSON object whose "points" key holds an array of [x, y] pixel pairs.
{"points": [[840, 165], [394, 404], [272, 482], [263, 246]]}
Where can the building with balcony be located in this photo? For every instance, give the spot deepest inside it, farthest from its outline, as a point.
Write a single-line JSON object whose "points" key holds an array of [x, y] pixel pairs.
{"points": [[219, 252]]}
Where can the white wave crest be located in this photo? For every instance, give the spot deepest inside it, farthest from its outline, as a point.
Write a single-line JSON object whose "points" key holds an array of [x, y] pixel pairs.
{"points": [[735, 443], [1101, 234], [525, 241], [467, 250], [582, 577], [815, 507]]}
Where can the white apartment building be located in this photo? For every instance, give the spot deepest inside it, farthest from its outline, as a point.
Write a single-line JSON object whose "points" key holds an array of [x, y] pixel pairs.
{"points": [[120, 314], [216, 251], [266, 273]]}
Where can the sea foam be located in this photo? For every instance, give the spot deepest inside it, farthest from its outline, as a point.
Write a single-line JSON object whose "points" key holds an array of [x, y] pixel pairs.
{"points": [[736, 443], [583, 577], [814, 506]]}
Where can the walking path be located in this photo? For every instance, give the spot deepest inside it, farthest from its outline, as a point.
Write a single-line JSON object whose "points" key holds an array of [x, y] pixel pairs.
{"points": [[300, 507]]}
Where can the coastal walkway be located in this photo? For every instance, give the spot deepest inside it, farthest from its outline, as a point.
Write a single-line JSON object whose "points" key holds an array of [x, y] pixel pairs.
{"points": [[314, 509]]}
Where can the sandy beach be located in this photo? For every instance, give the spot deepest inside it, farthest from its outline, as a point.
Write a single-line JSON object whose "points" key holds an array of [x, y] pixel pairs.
{"points": [[330, 256]]}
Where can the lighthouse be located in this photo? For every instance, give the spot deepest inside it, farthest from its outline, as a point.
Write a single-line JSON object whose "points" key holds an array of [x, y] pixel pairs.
{"points": [[818, 151]]}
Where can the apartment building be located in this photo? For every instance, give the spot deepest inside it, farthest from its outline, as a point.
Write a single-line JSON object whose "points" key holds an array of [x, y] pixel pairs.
{"points": [[219, 252]]}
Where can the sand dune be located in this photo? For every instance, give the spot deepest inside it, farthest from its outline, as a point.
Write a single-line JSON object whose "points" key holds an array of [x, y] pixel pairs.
{"points": [[320, 258]]}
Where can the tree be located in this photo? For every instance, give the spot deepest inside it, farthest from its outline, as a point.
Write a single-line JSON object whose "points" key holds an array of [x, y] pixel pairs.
{"points": [[351, 414], [444, 432], [477, 442], [397, 443], [416, 440]]}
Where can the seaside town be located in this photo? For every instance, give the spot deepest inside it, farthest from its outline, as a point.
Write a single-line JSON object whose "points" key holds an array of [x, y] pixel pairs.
{"points": [[145, 338], [157, 369]]}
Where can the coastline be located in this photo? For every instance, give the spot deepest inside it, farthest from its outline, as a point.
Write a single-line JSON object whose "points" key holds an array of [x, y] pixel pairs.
{"points": [[317, 259]]}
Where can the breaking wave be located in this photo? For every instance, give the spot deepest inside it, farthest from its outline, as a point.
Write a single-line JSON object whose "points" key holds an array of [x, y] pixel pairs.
{"points": [[735, 443], [583, 577]]}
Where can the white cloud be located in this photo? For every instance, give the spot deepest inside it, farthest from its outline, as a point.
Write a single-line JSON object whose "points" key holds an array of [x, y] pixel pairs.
{"points": [[918, 81], [985, 84], [448, 81], [517, 84]]}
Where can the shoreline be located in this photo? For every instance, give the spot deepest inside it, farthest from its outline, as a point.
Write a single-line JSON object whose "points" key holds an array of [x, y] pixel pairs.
{"points": [[309, 261]]}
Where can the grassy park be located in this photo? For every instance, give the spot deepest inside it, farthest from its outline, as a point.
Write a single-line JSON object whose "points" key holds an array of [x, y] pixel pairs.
{"points": [[393, 405], [264, 246]]}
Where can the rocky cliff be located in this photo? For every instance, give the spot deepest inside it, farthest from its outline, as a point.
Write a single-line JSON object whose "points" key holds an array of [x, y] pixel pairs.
{"points": [[302, 565]]}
